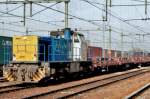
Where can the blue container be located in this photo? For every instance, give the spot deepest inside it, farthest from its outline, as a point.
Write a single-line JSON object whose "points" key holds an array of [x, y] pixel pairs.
{"points": [[54, 49], [5, 50]]}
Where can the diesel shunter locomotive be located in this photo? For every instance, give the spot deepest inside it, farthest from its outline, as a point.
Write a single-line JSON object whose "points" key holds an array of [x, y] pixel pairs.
{"points": [[35, 58]]}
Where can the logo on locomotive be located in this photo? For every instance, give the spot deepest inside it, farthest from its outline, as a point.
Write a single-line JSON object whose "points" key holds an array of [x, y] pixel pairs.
{"points": [[5, 42]]}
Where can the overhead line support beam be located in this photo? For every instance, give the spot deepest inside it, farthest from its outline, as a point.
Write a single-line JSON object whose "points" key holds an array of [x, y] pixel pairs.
{"points": [[29, 1]]}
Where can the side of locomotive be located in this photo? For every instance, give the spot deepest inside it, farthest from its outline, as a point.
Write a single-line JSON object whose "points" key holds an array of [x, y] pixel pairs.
{"points": [[36, 58]]}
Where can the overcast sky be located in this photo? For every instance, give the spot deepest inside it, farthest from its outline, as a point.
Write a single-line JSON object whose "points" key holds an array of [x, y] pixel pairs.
{"points": [[52, 20]]}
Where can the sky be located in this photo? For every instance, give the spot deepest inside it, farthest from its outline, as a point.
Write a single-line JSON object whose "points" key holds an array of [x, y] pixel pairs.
{"points": [[52, 20]]}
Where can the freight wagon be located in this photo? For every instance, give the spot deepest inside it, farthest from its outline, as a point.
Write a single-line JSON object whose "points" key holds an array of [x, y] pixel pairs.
{"points": [[5, 51], [94, 52], [111, 53], [106, 53], [118, 53]]}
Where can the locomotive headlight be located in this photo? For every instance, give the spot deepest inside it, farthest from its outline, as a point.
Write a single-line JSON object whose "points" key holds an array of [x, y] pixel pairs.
{"points": [[35, 57], [24, 38], [14, 57]]}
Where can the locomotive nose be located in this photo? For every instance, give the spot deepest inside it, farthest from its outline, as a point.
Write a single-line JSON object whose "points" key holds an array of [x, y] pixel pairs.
{"points": [[24, 73]]}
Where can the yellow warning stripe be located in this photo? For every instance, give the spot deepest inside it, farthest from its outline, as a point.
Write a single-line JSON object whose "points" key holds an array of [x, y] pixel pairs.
{"points": [[41, 72], [38, 75], [9, 76], [6, 74], [35, 78]]}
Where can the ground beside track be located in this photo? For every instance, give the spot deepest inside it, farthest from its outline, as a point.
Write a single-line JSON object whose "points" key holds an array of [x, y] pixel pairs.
{"points": [[144, 95], [118, 90], [28, 92]]}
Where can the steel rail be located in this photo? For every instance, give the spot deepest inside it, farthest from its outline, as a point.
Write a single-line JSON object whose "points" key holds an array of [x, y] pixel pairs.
{"points": [[138, 92], [14, 87], [106, 81]]}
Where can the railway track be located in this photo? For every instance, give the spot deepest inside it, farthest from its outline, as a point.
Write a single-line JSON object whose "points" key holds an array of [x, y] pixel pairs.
{"points": [[2, 80], [138, 92], [81, 88], [11, 87]]}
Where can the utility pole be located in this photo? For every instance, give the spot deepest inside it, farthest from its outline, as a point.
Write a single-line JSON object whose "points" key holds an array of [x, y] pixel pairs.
{"points": [[66, 14], [132, 44], [122, 44], [139, 36], [104, 36], [110, 3], [145, 7], [110, 37], [30, 9], [106, 8], [24, 14], [110, 40], [143, 43]]}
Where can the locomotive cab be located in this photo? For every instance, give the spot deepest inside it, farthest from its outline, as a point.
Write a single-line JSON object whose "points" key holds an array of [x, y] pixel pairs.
{"points": [[79, 47]]}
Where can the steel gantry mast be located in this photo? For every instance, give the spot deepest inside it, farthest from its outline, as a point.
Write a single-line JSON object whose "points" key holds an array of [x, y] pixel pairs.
{"points": [[24, 2]]}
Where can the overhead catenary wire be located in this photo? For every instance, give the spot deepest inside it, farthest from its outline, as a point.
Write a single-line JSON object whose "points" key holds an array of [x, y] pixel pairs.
{"points": [[68, 14], [135, 27], [8, 13], [12, 10], [114, 16], [79, 18], [29, 18], [33, 29], [12, 30], [121, 5], [114, 30], [57, 11], [32, 19], [48, 22], [38, 12], [86, 20]]}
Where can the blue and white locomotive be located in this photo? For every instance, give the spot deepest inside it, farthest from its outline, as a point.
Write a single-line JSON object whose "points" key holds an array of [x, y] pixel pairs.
{"points": [[36, 58]]}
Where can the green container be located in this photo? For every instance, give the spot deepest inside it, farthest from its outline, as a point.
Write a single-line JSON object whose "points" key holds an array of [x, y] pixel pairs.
{"points": [[5, 50]]}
